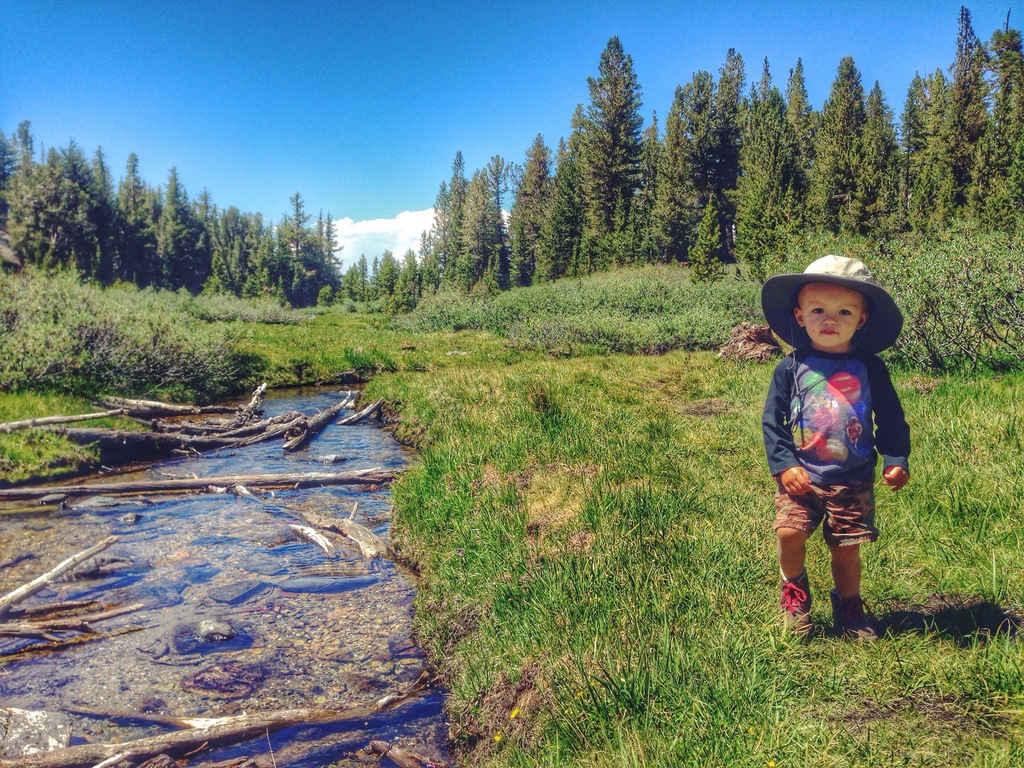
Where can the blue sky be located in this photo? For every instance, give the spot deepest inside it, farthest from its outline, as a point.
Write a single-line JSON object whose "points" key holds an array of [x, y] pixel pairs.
{"points": [[362, 106]]}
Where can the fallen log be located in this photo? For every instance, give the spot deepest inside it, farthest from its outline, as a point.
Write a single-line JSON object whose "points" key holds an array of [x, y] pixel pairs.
{"points": [[116, 446], [368, 411], [248, 413], [371, 546], [45, 421], [200, 733], [374, 476], [309, 428], [27, 590], [144, 409]]}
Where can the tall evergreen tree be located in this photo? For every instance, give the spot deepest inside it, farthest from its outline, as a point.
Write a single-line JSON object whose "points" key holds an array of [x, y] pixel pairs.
{"points": [[177, 240], [705, 266], [932, 193], [770, 170], [610, 152], [838, 152], [967, 117], [993, 196], [137, 213], [676, 193], [877, 184], [385, 278], [644, 246], [803, 124], [561, 234], [526, 219], [481, 237], [497, 174], [103, 214], [728, 117], [407, 287]]}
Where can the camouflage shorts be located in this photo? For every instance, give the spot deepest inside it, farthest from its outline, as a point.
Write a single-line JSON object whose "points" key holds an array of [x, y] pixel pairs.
{"points": [[847, 511]]}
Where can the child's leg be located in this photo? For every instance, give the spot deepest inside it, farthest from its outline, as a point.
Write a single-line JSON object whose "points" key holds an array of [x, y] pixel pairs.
{"points": [[846, 569], [792, 545]]}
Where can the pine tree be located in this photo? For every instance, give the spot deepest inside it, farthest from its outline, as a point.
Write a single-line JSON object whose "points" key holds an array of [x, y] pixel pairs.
{"points": [[430, 272], [931, 203], [407, 287], [136, 261], [561, 234], [50, 205], [675, 194], [8, 162], [609, 132], [705, 266], [526, 219], [178, 240], [992, 192], [385, 278], [497, 174], [967, 117], [838, 153], [644, 247], [803, 125], [770, 168], [448, 213], [728, 117], [877, 183], [480, 244], [102, 213]]}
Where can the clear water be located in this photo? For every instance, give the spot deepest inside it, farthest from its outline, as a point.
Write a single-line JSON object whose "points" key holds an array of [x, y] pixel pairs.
{"points": [[315, 629]]}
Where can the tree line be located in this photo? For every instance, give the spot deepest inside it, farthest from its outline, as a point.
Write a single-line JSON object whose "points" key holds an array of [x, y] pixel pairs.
{"points": [[735, 173], [63, 211]]}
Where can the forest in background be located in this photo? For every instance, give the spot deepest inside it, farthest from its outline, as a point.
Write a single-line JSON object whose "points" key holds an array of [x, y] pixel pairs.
{"points": [[736, 173]]}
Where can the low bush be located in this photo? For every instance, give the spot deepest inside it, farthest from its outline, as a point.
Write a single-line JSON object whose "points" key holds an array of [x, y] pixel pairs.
{"points": [[962, 298], [638, 311], [61, 335]]}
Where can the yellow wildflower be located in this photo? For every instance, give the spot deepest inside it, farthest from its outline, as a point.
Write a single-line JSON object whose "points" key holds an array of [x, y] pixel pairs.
{"points": [[514, 713]]}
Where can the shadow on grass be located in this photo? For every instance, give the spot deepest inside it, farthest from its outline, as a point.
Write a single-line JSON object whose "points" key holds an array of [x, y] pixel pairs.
{"points": [[964, 621]]}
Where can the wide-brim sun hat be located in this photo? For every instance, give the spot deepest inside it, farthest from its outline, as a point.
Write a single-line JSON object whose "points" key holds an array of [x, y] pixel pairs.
{"points": [[779, 297]]}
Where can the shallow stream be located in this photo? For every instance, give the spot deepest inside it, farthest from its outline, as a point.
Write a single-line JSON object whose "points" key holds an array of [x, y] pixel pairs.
{"points": [[314, 629]]}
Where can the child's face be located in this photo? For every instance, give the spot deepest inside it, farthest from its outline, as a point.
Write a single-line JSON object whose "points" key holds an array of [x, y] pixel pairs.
{"points": [[831, 314]]}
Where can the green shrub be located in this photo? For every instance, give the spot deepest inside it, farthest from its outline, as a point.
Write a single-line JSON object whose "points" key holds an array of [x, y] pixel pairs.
{"points": [[61, 335], [639, 311], [962, 299]]}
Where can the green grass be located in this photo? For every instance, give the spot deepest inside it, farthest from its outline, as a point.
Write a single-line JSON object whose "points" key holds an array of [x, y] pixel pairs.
{"points": [[595, 542]]}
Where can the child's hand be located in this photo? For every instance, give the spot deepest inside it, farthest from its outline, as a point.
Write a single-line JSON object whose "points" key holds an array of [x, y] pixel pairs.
{"points": [[796, 481], [895, 477]]}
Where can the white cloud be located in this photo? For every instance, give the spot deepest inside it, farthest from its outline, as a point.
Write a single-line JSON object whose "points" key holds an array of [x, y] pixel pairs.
{"points": [[374, 236]]}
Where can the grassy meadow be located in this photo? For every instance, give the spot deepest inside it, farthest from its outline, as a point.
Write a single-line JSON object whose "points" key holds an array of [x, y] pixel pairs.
{"points": [[592, 528]]}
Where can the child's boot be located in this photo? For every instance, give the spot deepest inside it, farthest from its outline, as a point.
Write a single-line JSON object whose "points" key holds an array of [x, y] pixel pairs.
{"points": [[796, 604], [849, 619]]}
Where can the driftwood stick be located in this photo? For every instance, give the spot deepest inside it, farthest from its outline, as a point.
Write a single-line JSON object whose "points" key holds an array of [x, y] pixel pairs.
{"points": [[248, 413], [27, 590], [149, 408], [314, 425], [44, 421], [43, 628], [401, 757], [374, 476], [368, 411], [202, 732], [371, 546], [63, 642]]}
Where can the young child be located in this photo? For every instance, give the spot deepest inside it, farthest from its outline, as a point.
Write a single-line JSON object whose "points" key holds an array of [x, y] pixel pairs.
{"points": [[831, 409]]}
